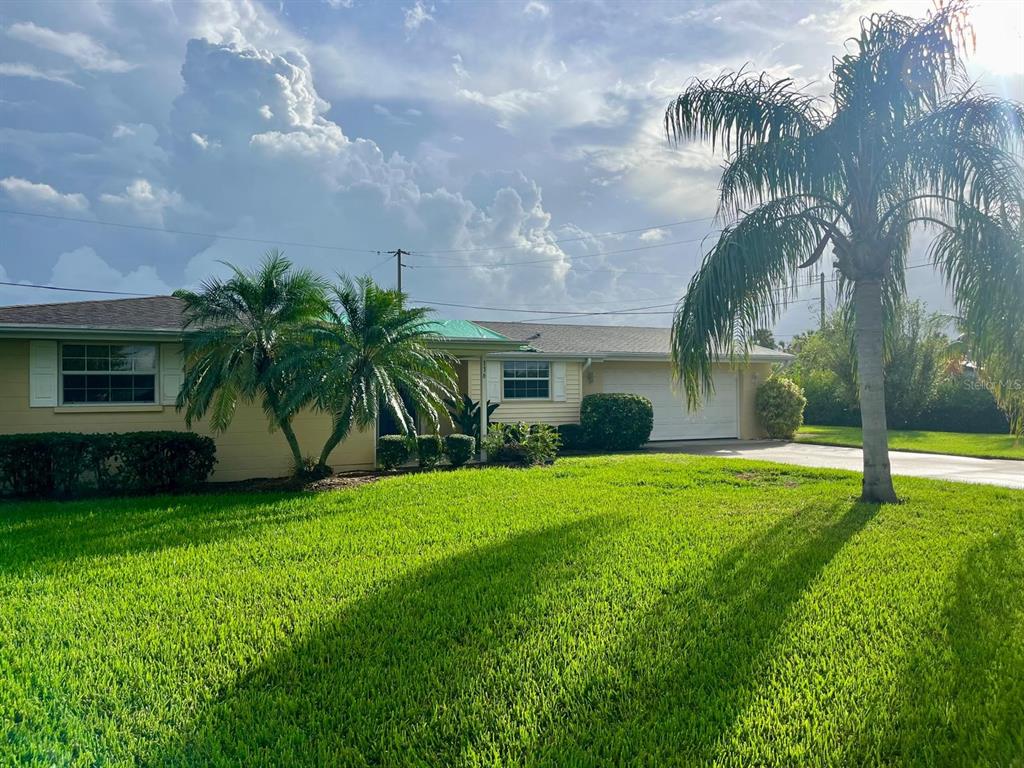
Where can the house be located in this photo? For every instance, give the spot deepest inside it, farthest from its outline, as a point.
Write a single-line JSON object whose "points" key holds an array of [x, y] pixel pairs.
{"points": [[557, 365], [116, 365]]}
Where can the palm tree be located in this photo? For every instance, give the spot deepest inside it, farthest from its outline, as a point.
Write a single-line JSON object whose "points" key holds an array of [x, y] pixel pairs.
{"points": [[241, 329], [371, 352], [905, 144]]}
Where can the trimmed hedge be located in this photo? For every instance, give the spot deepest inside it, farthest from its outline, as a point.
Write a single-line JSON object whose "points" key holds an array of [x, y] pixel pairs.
{"points": [[429, 450], [460, 448], [67, 464], [573, 437], [616, 421], [393, 450], [780, 405]]}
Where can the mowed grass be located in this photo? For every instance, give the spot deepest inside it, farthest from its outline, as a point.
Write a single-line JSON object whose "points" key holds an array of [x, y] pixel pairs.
{"points": [[984, 446], [641, 610]]}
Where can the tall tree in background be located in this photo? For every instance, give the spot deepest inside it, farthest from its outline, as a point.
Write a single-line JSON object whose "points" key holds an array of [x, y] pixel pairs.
{"points": [[240, 331], [905, 143]]}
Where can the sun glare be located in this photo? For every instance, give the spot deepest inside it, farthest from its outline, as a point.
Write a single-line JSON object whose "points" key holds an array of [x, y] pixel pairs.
{"points": [[999, 30]]}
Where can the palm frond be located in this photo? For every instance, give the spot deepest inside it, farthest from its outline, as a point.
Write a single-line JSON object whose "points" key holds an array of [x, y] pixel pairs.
{"points": [[738, 110], [742, 285]]}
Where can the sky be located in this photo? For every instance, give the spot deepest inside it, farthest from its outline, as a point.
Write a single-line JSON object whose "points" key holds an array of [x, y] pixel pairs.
{"points": [[516, 149]]}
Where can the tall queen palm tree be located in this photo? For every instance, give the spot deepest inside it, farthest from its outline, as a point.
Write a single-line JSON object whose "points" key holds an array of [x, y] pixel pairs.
{"points": [[905, 144]]}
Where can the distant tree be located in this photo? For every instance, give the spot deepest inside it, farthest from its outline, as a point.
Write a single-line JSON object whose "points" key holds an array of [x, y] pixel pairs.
{"points": [[240, 330], [369, 352], [905, 142], [916, 353], [763, 338]]}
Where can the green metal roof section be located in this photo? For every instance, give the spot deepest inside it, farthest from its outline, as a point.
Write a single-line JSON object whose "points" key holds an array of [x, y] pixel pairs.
{"points": [[463, 330]]}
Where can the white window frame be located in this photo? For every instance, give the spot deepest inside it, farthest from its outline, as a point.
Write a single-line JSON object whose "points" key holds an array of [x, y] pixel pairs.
{"points": [[548, 378], [155, 373]]}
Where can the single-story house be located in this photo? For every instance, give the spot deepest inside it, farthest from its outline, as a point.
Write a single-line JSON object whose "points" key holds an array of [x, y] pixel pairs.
{"points": [[116, 365]]}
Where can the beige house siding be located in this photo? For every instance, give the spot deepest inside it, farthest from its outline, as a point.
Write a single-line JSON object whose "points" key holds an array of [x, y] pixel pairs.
{"points": [[750, 376], [536, 411], [247, 449]]}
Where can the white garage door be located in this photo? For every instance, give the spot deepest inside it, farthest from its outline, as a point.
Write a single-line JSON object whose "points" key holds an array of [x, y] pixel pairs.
{"points": [[719, 417]]}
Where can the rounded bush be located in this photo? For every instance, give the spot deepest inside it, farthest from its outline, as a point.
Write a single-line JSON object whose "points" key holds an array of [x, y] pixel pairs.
{"points": [[572, 436], [616, 421], [460, 448], [393, 451], [429, 450], [780, 406]]}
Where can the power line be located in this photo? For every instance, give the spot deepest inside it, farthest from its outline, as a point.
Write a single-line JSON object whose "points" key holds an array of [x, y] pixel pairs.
{"points": [[571, 239], [191, 233], [502, 265], [531, 311], [73, 290], [324, 246]]}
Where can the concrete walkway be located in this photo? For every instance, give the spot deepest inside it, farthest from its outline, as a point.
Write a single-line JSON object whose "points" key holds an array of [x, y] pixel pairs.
{"points": [[1004, 472]]}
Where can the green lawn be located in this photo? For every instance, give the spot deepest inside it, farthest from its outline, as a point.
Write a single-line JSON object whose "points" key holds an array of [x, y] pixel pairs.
{"points": [[984, 446], [639, 610]]}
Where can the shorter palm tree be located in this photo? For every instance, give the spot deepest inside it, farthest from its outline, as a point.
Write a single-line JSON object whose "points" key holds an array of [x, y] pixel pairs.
{"points": [[241, 329], [370, 352]]}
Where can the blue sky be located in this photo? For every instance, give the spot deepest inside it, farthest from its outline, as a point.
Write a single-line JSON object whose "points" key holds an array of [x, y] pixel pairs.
{"points": [[489, 132]]}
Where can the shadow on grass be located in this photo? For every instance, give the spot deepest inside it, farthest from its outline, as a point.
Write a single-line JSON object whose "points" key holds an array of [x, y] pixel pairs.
{"points": [[38, 536], [692, 664], [961, 699], [406, 676], [422, 672]]}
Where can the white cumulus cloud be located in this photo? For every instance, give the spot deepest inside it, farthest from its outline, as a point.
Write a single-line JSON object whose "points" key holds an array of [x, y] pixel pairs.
{"points": [[33, 193]]}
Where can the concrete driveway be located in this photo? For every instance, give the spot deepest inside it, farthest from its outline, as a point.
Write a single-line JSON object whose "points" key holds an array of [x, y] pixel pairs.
{"points": [[963, 469]]}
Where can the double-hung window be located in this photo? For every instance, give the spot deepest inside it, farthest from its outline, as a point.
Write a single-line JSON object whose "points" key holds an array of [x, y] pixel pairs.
{"points": [[526, 379], [108, 373]]}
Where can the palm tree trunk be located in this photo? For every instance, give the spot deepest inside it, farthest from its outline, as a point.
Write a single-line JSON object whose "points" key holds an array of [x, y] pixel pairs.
{"points": [[329, 446], [284, 423], [293, 443], [877, 483]]}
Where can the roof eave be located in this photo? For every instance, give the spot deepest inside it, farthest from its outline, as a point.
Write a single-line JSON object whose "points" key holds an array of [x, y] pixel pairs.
{"points": [[47, 331]]}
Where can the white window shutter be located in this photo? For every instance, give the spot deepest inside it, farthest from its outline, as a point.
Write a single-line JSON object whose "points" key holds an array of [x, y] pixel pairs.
{"points": [[172, 372], [42, 374], [494, 381], [558, 381]]}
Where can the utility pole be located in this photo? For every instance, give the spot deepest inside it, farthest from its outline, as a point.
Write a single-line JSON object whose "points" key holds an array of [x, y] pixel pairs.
{"points": [[821, 285], [398, 253]]}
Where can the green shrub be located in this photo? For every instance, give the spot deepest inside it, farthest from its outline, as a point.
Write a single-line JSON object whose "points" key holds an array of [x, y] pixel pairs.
{"points": [[429, 450], [542, 444], [393, 450], [826, 401], [780, 406], [573, 438], [460, 448], [616, 421], [521, 444], [962, 403], [67, 464]]}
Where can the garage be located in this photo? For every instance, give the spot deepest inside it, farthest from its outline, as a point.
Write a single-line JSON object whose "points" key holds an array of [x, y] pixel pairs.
{"points": [[719, 417]]}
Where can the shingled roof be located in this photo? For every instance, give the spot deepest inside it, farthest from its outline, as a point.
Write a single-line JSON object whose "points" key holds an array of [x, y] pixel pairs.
{"points": [[600, 340], [152, 313]]}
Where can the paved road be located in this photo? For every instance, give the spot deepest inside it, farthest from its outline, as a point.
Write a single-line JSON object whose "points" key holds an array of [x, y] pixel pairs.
{"points": [[962, 469]]}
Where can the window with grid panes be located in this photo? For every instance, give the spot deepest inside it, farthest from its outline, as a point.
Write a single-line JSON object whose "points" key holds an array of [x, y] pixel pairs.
{"points": [[526, 379], [108, 373]]}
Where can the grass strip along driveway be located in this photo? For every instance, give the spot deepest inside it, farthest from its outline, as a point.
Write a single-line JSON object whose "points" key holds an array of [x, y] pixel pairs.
{"points": [[638, 609], [982, 446]]}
